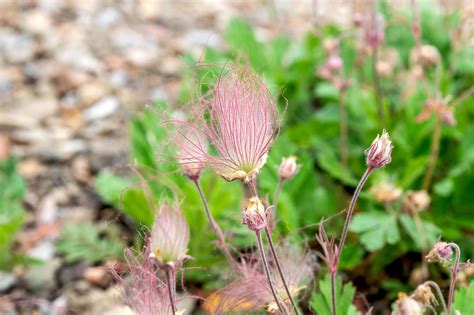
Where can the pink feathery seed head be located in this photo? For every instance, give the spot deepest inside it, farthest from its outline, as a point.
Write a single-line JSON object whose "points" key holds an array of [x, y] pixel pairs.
{"points": [[441, 252], [143, 290], [254, 215], [169, 235], [242, 124], [298, 267], [288, 168], [379, 153], [192, 151]]}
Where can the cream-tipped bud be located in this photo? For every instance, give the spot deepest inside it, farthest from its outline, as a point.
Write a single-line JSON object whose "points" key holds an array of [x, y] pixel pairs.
{"points": [[426, 56], [169, 235], [417, 200], [441, 252], [255, 215], [288, 168], [379, 153], [406, 305]]}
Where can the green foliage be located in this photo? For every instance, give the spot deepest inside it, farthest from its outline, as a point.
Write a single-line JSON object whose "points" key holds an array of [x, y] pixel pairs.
{"points": [[311, 131], [89, 242], [463, 299], [321, 301], [12, 191]]}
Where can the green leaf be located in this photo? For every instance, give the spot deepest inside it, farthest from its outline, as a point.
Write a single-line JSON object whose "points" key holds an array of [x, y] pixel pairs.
{"points": [[241, 38], [132, 201], [376, 229], [12, 191], [88, 242], [431, 232], [463, 299], [321, 301]]}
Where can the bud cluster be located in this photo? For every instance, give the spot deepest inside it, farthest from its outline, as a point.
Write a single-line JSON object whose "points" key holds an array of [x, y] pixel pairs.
{"points": [[288, 168], [255, 215], [379, 153], [332, 69]]}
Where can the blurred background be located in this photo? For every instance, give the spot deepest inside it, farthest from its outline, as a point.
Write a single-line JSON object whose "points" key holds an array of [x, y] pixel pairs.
{"points": [[77, 77]]}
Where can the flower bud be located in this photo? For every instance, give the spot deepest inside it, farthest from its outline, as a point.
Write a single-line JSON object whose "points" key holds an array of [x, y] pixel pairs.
{"points": [[169, 235], [334, 63], [407, 306], [384, 69], [288, 168], [385, 192], [379, 153], [255, 215], [423, 294], [331, 46], [417, 200], [441, 252], [426, 56]]}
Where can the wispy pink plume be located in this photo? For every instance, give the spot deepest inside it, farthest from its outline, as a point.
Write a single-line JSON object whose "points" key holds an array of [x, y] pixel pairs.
{"points": [[143, 291], [251, 292], [169, 234], [240, 120]]}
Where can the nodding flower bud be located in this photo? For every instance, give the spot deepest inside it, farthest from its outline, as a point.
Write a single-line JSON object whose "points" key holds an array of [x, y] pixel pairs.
{"points": [[406, 305], [379, 153], [423, 294], [331, 46], [288, 168], [426, 56], [416, 200], [335, 63], [441, 252], [255, 215], [169, 235]]}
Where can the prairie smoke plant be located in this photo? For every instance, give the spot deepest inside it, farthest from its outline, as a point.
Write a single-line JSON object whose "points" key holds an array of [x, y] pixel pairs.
{"points": [[251, 291], [169, 235], [240, 120], [143, 291], [442, 252], [378, 155], [192, 151], [169, 244]]}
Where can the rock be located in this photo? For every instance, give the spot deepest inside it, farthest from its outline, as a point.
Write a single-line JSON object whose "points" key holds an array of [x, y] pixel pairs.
{"points": [[73, 215], [43, 251], [108, 17], [4, 147], [37, 22], [41, 279], [7, 281], [47, 211], [31, 168], [91, 92], [103, 108], [119, 310], [98, 276], [59, 306], [17, 48], [81, 169]]}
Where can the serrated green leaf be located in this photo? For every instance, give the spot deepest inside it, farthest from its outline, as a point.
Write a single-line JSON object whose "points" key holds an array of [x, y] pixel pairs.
{"points": [[375, 229], [321, 301], [85, 241], [464, 299]]}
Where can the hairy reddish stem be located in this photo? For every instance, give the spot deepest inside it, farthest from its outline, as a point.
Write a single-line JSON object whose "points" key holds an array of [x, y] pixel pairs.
{"points": [[267, 270], [454, 274], [333, 293], [214, 225], [378, 90], [282, 276], [435, 142], [344, 143], [170, 279], [350, 211]]}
